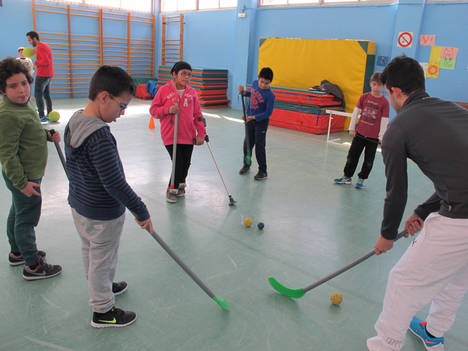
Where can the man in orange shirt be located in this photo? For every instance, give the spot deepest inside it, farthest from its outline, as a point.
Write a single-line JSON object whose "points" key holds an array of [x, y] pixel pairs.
{"points": [[44, 74]]}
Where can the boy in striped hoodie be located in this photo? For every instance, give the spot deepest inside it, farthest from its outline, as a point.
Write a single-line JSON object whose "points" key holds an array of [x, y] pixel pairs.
{"points": [[99, 193]]}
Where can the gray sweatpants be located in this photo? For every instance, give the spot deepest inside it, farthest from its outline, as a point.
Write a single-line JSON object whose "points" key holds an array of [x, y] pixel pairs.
{"points": [[99, 245]]}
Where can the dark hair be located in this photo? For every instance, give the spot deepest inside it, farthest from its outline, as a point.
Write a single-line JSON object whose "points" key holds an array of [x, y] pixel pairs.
{"points": [[112, 79], [376, 77], [405, 73], [9, 67], [178, 66], [32, 34], [266, 73]]}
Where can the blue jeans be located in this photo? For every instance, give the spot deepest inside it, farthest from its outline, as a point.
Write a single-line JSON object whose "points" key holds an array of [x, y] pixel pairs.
{"points": [[23, 217], [41, 92]]}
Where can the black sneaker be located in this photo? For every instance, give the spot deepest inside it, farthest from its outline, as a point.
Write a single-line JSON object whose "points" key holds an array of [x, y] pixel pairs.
{"points": [[114, 318], [119, 288], [244, 170], [42, 271], [261, 176], [17, 260]]}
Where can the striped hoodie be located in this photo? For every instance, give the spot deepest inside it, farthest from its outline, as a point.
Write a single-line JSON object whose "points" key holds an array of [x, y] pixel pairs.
{"points": [[98, 188]]}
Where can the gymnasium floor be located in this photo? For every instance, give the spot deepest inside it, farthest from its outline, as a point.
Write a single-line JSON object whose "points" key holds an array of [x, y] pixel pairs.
{"points": [[312, 228]]}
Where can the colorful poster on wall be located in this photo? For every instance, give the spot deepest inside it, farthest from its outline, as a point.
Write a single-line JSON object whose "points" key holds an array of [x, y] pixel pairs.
{"points": [[446, 63], [427, 40], [433, 69], [450, 53], [405, 39], [382, 60], [448, 58], [436, 51]]}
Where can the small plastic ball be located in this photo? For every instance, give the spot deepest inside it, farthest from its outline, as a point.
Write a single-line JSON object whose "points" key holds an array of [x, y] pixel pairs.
{"points": [[260, 225], [54, 116], [28, 52], [248, 222], [336, 298]]}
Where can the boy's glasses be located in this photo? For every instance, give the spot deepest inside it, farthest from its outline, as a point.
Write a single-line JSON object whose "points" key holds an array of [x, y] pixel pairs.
{"points": [[122, 105]]}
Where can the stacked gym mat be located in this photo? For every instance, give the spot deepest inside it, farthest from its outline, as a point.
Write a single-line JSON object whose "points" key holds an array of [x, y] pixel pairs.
{"points": [[210, 84], [304, 110]]}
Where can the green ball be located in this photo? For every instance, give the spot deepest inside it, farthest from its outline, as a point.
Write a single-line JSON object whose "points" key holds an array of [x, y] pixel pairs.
{"points": [[54, 116], [28, 52], [260, 225]]}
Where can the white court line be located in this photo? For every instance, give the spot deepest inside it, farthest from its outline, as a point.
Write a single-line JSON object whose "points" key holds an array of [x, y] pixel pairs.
{"points": [[47, 344], [232, 119], [211, 115]]}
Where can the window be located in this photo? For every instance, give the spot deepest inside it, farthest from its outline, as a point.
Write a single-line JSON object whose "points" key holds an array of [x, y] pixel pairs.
{"points": [[313, 2], [193, 5], [127, 5]]}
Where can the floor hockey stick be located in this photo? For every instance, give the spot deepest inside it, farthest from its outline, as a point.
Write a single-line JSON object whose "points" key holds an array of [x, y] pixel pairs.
{"points": [[222, 303], [298, 293], [231, 199], [248, 156]]}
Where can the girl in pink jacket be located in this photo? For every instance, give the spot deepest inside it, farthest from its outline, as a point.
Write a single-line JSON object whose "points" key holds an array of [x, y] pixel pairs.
{"points": [[179, 98]]}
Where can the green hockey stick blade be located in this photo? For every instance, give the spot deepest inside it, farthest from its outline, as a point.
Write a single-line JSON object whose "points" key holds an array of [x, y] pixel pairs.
{"points": [[294, 293], [248, 159], [222, 303]]}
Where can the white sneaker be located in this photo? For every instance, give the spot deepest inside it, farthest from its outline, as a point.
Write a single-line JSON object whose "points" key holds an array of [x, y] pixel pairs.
{"points": [[181, 190], [171, 195]]}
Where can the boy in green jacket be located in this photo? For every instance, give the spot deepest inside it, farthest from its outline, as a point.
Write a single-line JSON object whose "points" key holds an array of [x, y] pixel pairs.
{"points": [[23, 156]]}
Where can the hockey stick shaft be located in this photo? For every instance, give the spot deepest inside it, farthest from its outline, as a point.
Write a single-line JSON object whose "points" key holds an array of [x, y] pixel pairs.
{"points": [[347, 267]]}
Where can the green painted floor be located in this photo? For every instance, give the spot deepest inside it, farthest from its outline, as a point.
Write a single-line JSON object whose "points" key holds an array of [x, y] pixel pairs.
{"points": [[312, 228]]}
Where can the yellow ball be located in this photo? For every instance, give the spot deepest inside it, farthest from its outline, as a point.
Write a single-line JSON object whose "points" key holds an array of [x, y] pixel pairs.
{"points": [[336, 298], [28, 52], [248, 222], [54, 116]]}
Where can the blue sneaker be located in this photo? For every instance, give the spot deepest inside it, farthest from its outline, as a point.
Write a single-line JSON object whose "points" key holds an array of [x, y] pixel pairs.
{"points": [[343, 180], [418, 328], [44, 120], [359, 183]]}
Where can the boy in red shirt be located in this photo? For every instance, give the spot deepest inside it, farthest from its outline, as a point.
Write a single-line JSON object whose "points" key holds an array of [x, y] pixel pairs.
{"points": [[374, 110], [44, 74]]}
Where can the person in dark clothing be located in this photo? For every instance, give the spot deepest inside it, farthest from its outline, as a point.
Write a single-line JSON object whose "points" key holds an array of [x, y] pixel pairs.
{"points": [[262, 101], [432, 133]]}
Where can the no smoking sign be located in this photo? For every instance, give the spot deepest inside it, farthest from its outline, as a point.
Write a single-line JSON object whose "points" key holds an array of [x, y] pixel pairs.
{"points": [[405, 39]]}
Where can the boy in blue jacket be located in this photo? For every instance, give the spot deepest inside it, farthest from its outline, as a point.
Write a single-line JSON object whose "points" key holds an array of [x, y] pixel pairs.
{"points": [[259, 111], [99, 193]]}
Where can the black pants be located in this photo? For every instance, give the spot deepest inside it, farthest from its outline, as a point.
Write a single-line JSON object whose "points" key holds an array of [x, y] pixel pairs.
{"points": [[41, 92], [257, 137], [359, 143], [183, 160]]}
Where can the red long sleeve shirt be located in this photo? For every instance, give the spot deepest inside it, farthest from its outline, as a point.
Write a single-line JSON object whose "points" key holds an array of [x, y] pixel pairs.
{"points": [[44, 64]]}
